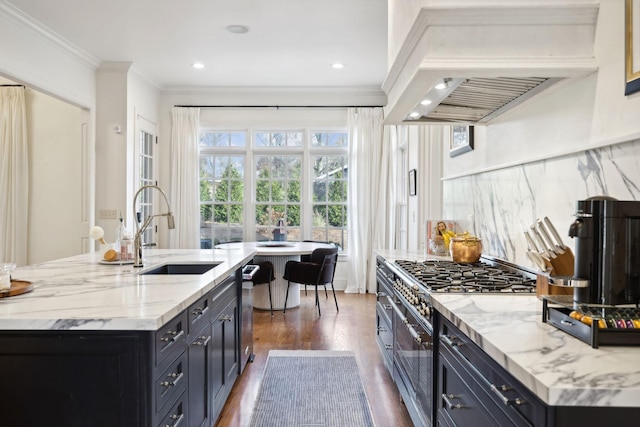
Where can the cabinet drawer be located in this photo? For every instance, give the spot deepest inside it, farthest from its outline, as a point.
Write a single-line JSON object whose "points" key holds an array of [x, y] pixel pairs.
{"points": [[461, 404], [384, 308], [384, 333], [508, 394], [176, 415], [199, 314], [171, 382], [223, 294], [171, 339]]}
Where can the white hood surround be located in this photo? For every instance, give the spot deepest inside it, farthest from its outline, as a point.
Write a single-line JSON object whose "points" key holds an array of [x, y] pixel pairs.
{"points": [[462, 40]]}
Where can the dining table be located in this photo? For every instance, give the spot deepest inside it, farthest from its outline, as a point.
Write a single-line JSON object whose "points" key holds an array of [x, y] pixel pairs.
{"points": [[278, 253]]}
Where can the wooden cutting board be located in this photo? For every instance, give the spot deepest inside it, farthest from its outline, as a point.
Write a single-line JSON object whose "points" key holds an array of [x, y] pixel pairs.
{"points": [[18, 287]]}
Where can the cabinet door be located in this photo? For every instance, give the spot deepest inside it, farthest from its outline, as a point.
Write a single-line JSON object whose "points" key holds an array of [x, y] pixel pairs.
{"points": [[231, 345], [200, 375]]}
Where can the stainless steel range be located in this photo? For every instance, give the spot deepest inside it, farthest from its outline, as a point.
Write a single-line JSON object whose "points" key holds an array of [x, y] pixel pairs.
{"points": [[405, 315]]}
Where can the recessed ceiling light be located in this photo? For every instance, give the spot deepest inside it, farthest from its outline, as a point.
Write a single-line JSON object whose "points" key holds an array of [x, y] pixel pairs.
{"points": [[414, 115], [443, 84], [198, 65], [425, 102], [237, 29], [337, 65]]}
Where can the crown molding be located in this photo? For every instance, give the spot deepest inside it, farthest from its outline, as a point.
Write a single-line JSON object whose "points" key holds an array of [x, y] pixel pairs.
{"points": [[28, 24]]}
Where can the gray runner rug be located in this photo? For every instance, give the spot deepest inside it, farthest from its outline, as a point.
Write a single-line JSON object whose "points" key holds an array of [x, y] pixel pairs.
{"points": [[311, 388]]}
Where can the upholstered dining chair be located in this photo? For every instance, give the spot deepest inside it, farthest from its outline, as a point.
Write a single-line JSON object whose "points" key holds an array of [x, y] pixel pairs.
{"points": [[264, 276], [307, 258], [319, 271]]}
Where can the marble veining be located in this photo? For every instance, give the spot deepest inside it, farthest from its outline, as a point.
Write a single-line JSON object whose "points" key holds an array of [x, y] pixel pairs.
{"points": [[78, 293], [560, 369], [499, 205]]}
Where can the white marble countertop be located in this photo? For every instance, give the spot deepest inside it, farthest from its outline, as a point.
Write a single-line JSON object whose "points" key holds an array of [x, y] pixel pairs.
{"points": [[79, 293], [558, 368]]}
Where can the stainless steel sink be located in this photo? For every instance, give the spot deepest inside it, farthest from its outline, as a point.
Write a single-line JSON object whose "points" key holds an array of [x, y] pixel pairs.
{"points": [[199, 268]]}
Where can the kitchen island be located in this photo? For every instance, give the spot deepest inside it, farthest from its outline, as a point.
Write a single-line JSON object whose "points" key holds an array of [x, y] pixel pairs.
{"points": [[97, 344], [495, 362]]}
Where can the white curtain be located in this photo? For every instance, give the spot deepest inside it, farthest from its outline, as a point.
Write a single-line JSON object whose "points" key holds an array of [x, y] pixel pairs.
{"points": [[14, 176], [185, 197], [372, 182]]}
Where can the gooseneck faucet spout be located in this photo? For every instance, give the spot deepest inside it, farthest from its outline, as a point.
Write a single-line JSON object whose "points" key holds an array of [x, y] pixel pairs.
{"points": [[137, 240]]}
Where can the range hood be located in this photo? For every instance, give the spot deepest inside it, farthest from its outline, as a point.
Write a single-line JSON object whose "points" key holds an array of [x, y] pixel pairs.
{"points": [[488, 58]]}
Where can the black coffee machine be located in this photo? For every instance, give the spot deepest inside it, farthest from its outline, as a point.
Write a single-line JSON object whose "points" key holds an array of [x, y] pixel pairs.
{"points": [[607, 251]]}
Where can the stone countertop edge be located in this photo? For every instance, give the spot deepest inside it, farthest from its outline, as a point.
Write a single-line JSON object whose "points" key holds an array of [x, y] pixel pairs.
{"points": [[79, 293], [560, 369]]}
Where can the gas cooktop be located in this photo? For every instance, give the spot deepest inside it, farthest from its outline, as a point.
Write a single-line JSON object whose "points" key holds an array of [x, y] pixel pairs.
{"points": [[448, 276]]}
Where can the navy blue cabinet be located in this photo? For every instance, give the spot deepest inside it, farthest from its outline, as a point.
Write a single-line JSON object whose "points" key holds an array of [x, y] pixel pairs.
{"points": [[179, 375]]}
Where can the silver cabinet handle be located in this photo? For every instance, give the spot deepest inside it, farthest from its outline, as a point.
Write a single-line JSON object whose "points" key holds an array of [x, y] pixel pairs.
{"points": [[174, 336], [450, 341], [498, 391], [178, 419], [382, 329], [388, 346], [199, 311], [450, 405], [226, 318], [177, 377], [205, 340]]}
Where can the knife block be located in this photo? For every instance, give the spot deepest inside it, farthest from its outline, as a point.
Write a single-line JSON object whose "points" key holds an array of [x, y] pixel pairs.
{"points": [[544, 288]]}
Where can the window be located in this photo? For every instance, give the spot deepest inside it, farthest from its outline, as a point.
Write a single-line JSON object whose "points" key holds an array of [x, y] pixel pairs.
{"points": [[147, 177], [292, 178], [329, 173], [221, 189], [277, 196]]}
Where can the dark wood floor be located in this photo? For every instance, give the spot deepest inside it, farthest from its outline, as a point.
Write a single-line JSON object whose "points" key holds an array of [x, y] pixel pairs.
{"points": [[353, 328]]}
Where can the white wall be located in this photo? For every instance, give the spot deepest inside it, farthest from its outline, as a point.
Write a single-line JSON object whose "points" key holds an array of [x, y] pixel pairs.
{"points": [[44, 63], [60, 83], [127, 103]]}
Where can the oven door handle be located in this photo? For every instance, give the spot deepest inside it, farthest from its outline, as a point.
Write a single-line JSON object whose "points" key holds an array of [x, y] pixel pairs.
{"points": [[414, 334]]}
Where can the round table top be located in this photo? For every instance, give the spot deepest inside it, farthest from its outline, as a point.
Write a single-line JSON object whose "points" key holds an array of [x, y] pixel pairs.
{"points": [[275, 248]]}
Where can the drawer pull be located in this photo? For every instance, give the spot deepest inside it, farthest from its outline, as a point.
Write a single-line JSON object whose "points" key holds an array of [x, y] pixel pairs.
{"points": [[388, 346], [498, 391], [177, 377], [178, 419], [382, 294], [450, 405], [566, 322], [382, 329], [226, 318], [199, 311], [388, 307], [205, 340], [174, 336], [450, 341]]}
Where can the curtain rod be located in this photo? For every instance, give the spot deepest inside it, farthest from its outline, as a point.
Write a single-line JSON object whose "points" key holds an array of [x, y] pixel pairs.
{"points": [[279, 106], [12, 86]]}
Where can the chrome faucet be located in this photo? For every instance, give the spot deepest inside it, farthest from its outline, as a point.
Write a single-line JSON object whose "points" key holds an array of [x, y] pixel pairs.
{"points": [[137, 240]]}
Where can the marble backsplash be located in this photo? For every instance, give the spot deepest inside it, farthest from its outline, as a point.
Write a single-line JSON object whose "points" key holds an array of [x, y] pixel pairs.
{"points": [[499, 205]]}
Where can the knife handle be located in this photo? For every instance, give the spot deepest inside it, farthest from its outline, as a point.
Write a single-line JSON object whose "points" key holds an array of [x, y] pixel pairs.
{"points": [[554, 232], [551, 245]]}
